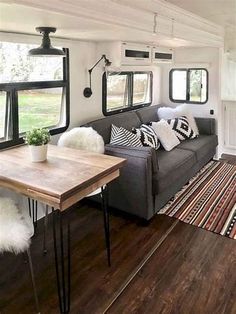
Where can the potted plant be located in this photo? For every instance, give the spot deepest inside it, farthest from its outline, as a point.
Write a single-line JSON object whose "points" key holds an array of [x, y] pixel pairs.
{"points": [[38, 140]]}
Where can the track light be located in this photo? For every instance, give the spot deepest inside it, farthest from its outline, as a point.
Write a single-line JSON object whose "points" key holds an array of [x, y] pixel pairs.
{"points": [[154, 32]]}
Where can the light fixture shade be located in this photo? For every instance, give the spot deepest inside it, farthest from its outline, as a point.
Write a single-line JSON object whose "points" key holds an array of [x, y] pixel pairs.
{"points": [[46, 49]]}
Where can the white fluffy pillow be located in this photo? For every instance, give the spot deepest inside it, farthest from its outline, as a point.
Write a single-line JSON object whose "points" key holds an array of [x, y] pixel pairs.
{"points": [[181, 110], [85, 138], [165, 134]]}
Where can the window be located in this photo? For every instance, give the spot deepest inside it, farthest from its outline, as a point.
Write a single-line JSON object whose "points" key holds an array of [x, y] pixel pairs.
{"points": [[34, 93], [188, 85], [123, 91]]}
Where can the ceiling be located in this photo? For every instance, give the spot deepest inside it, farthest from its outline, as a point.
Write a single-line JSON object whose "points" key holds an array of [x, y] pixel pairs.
{"points": [[221, 12], [125, 20]]}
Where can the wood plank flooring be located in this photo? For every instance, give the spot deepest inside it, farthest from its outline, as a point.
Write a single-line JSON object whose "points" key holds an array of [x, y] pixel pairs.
{"points": [[94, 284], [193, 271], [164, 267]]}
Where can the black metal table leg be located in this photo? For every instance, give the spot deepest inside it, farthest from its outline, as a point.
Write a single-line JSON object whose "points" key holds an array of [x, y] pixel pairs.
{"points": [[45, 229], [62, 259], [104, 196], [33, 211]]}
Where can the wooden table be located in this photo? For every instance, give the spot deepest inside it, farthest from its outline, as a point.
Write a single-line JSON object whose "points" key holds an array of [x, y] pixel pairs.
{"points": [[66, 177]]}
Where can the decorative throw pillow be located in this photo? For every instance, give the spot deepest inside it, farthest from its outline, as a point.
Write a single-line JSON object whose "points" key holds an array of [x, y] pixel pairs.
{"points": [[182, 128], [147, 136], [85, 138], [181, 110], [165, 134], [123, 137]]}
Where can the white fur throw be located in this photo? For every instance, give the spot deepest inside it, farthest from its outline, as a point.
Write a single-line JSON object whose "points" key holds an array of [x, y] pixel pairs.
{"points": [[181, 110], [84, 138], [15, 233]]}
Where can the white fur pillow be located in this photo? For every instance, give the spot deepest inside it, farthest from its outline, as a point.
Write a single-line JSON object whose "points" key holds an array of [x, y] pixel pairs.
{"points": [[84, 138], [181, 110], [165, 134]]}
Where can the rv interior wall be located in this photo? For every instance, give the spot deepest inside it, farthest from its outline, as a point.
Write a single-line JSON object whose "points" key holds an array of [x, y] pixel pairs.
{"points": [[209, 58]]}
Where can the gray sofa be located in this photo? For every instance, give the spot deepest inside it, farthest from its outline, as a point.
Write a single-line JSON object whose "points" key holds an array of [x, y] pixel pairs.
{"points": [[151, 178]]}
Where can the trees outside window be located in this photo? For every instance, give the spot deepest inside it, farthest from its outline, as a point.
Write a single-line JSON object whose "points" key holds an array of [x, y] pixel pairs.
{"points": [[188, 85], [34, 93], [123, 91]]}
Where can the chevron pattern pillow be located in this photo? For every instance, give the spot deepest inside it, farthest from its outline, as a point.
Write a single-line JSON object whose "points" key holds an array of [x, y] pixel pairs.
{"points": [[147, 136], [182, 128], [123, 137]]}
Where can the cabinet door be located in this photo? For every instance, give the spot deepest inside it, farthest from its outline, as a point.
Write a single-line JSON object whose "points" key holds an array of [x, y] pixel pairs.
{"points": [[230, 125]]}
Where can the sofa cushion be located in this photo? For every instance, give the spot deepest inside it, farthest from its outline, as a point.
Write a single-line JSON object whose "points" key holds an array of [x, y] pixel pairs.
{"points": [[165, 134], [148, 114], [201, 145], [123, 137], [126, 120], [172, 166], [147, 136], [182, 128]]}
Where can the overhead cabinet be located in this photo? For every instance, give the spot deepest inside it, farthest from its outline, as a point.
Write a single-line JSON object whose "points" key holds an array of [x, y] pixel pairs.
{"points": [[123, 53], [162, 55], [135, 54]]}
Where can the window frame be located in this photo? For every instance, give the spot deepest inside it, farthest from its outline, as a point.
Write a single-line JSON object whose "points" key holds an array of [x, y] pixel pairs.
{"points": [[12, 88], [131, 105], [187, 101]]}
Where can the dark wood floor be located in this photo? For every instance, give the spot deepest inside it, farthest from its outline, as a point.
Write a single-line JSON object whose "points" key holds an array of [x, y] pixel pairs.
{"points": [[231, 159], [165, 267]]}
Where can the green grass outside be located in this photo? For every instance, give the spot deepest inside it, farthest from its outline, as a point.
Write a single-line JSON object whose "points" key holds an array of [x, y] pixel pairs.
{"points": [[35, 110]]}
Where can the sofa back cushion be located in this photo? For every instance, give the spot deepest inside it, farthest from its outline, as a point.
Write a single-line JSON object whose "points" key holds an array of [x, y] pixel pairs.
{"points": [[127, 120], [148, 114]]}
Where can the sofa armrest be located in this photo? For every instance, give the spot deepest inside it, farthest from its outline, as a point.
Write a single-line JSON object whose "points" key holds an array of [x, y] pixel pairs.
{"points": [[142, 152], [206, 126], [133, 190]]}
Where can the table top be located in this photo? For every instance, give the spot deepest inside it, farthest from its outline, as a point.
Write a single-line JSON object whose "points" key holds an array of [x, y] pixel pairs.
{"points": [[67, 176]]}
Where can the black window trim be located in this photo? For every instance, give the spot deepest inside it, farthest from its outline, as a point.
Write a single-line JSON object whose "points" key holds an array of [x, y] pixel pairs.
{"points": [[187, 101], [12, 88], [130, 106]]}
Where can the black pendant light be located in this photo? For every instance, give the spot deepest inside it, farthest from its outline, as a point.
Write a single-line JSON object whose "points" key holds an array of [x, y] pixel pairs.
{"points": [[46, 49]]}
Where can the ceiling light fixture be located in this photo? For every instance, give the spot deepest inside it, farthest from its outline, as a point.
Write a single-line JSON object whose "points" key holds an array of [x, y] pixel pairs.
{"points": [[173, 29], [46, 49], [88, 90]]}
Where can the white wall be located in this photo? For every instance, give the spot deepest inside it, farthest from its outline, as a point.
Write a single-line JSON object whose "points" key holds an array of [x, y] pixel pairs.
{"points": [[209, 58]]}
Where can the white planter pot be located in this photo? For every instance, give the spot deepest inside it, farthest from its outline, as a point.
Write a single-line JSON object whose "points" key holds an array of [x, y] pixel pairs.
{"points": [[38, 153]]}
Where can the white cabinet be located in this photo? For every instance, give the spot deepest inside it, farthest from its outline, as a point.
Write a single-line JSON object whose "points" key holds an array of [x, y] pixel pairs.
{"points": [[135, 54], [162, 55], [230, 124], [124, 53]]}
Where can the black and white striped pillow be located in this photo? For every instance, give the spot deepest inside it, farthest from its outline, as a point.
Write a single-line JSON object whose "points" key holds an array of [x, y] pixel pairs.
{"points": [[147, 136], [182, 128], [123, 137]]}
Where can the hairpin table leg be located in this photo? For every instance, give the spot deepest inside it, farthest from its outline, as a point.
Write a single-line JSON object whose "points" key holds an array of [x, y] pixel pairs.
{"points": [[33, 281], [104, 196], [61, 237], [45, 229], [33, 211]]}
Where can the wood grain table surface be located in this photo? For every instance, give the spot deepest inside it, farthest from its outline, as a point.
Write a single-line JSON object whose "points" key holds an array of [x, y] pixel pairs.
{"points": [[66, 177]]}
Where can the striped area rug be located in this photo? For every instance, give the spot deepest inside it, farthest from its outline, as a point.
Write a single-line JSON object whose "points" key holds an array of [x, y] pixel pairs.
{"points": [[208, 201]]}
